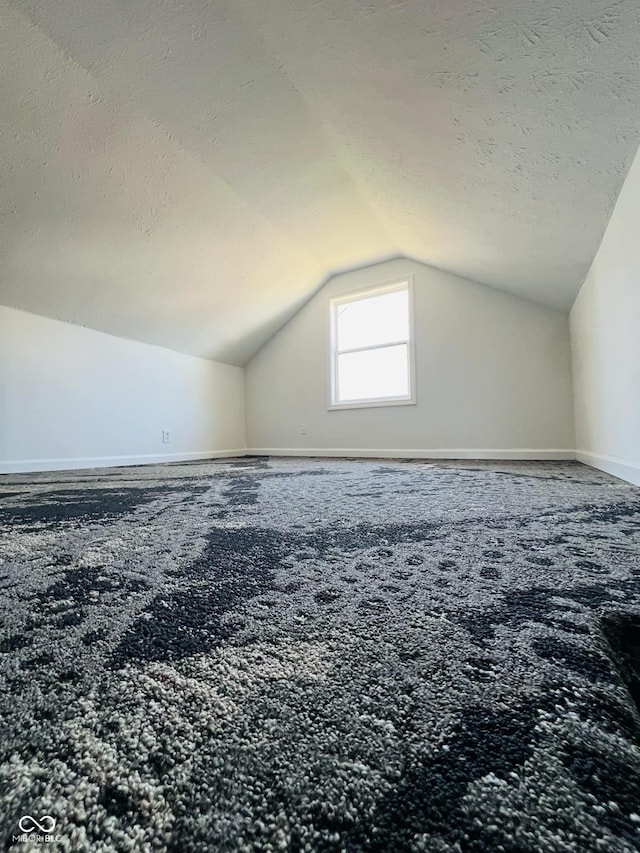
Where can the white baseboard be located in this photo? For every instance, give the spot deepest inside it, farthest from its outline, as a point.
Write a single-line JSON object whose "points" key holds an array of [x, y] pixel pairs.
{"points": [[615, 465], [455, 453], [29, 466], [618, 467]]}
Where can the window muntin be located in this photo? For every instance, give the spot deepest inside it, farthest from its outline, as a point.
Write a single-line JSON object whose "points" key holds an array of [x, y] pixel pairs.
{"points": [[371, 348]]}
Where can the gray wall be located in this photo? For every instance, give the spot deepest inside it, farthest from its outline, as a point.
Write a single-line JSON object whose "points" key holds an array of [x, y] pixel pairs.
{"points": [[71, 398], [493, 377], [605, 335]]}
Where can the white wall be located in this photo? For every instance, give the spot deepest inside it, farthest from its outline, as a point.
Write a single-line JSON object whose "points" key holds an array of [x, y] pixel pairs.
{"points": [[71, 397], [605, 335], [493, 377]]}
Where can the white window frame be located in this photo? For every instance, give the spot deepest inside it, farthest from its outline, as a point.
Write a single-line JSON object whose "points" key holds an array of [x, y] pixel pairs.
{"points": [[354, 296]]}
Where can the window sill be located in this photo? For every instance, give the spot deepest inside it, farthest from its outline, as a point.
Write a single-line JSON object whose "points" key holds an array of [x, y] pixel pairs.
{"points": [[370, 404]]}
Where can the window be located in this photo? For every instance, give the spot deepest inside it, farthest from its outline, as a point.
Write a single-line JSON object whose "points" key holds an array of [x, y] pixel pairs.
{"points": [[371, 348]]}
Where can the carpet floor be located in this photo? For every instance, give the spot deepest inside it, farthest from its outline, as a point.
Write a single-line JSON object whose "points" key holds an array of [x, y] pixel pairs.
{"points": [[319, 655]]}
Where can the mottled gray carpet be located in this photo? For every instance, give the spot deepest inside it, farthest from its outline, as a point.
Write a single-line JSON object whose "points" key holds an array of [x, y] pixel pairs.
{"points": [[320, 655]]}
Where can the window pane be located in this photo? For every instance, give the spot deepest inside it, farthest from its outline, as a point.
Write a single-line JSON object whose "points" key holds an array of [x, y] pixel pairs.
{"points": [[372, 374], [373, 320]]}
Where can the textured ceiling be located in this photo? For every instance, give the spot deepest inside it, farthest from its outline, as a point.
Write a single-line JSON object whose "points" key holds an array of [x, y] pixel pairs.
{"points": [[188, 173]]}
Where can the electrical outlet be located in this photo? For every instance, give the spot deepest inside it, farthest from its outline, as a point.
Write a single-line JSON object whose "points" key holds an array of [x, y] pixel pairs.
{"points": [[303, 429], [166, 436]]}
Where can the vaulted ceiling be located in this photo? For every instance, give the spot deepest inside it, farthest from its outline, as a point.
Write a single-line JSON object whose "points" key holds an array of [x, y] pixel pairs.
{"points": [[188, 173]]}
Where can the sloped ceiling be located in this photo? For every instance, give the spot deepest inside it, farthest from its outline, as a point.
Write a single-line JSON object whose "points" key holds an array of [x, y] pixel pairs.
{"points": [[188, 173]]}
